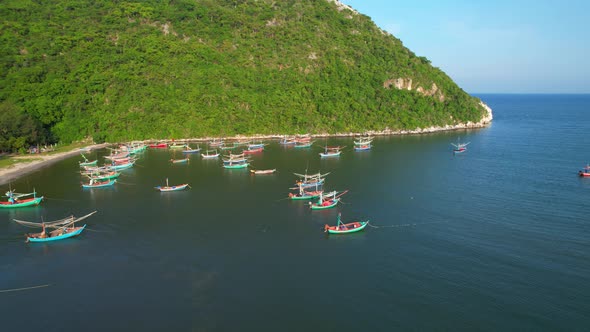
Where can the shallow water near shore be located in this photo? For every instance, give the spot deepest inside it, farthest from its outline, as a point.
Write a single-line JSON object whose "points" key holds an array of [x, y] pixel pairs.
{"points": [[493, 239]]}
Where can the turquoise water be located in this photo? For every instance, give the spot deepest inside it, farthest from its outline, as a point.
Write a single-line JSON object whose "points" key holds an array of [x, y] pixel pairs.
{"points": [[493, 239]]}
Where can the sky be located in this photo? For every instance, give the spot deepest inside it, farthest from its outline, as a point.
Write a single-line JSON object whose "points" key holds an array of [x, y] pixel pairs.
{"points": [[500, 46]]}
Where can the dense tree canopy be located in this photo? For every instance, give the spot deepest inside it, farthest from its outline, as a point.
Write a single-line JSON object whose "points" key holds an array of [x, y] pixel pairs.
{"points": [[118, 70]]}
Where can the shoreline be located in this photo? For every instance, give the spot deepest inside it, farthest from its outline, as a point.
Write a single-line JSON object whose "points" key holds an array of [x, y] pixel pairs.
{"points": [[18, 170], [484, 122]]}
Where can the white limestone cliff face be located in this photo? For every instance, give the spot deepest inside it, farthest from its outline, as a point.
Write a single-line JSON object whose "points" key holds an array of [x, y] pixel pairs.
{"points": [[407, 84]]}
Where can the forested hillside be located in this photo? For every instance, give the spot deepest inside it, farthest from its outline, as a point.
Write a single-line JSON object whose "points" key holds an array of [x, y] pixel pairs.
{"points": [[119, 70]]}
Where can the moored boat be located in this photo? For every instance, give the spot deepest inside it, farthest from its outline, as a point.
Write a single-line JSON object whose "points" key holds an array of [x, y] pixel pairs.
{"points": [[459, 147], [263, 171], [210, 154], [585, 172], [167, 187], [300, 145], [188, 149], [15, 201], [180, 161], [327, 201], [253, 150], [87, 162], [178, 146], [63, 229], [331, 151], [158, 146], [235, 165], [342, 228], [363, 144], [95, 183]]}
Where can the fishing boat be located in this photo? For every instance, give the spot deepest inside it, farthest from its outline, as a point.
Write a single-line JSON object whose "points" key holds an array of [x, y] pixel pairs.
{"points": [[103, 175], [303, 138], [235, 161], [87, 162], [167, 187], [253, 146], [215, 143], [310, 180], [135, 147], [118, 166], [299, 145], [288, 140], [363, 144], [327, 201], [95, 183], [585, 172], [235, 158], [234, 165], [460, 147], [178, 146], [180, 161], [253, 150], [158, 145], [303, 194], [342, 228], [230, 147], [189, 150], [263, 171], [62, 229], [210, 154], [331, 151], [15, 200], [117, 155]]}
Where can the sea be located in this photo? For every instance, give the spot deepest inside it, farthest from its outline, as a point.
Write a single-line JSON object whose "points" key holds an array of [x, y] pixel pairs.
{"points": [[493, 239]]}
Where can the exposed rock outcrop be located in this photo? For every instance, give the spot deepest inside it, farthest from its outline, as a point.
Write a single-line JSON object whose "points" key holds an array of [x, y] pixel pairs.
{"points": [[406, 84]]}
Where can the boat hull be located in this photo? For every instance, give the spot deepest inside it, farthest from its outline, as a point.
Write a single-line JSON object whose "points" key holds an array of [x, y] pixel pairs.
{"points": [[251, 151], [73, 233], [336, 154], [266, 171], [584, 174], [349, 228], [305, 197], [89, 163], [315, 206], [22, 203], [172, 188], [244, 165], [122, 166], [191, 151], [100, 185]]}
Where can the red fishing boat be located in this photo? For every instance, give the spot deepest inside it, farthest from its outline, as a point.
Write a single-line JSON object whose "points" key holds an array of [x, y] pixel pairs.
{"points": [[158, 146], [585, 172]]}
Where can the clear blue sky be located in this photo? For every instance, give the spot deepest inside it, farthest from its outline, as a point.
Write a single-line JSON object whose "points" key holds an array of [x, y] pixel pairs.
{"points": [[501, 46]]}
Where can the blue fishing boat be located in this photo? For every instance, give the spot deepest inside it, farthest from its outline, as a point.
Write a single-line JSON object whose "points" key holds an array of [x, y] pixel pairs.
{"points": [[93, 183], [62, 229], [363, 144]]}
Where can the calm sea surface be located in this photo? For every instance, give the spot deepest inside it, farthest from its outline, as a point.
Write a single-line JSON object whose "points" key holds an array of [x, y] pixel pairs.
{"points": [[495, 239]]}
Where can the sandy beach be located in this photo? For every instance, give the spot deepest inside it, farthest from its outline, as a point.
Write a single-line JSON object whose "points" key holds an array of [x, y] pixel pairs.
{"points": [[20, 169]]}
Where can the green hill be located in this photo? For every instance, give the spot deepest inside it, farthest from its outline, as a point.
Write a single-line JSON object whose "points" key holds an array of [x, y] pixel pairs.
{"points": [[118, 70]]}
